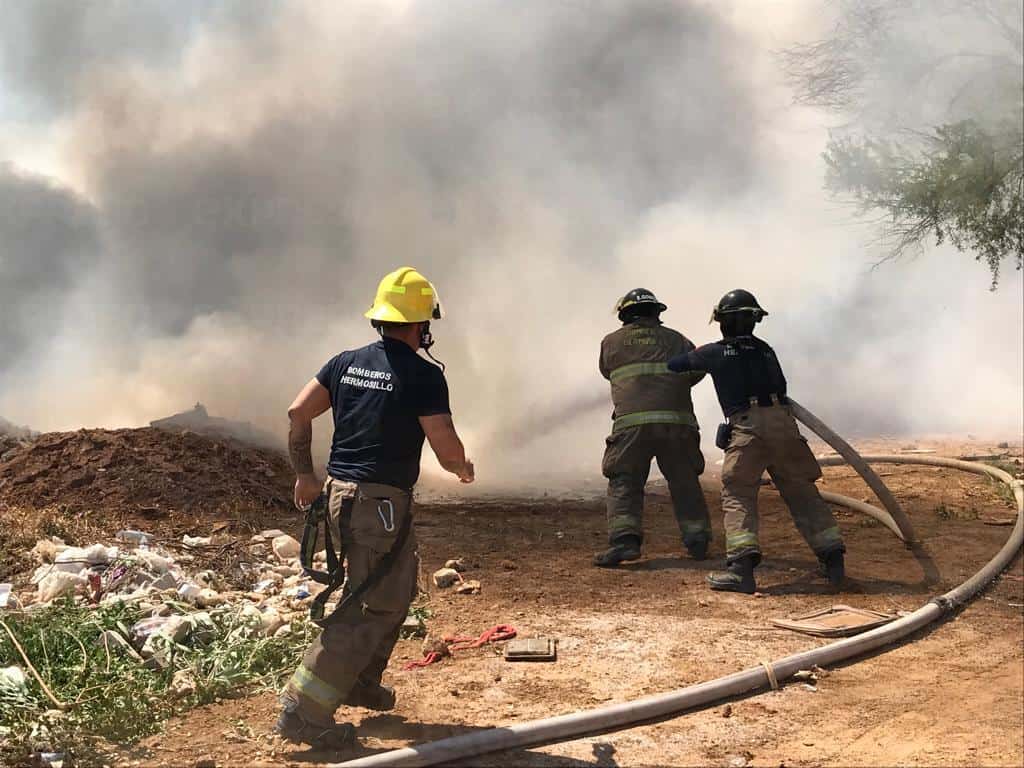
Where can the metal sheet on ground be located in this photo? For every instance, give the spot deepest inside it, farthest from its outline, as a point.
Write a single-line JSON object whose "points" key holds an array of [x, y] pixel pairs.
{"points": [[531, 649]]}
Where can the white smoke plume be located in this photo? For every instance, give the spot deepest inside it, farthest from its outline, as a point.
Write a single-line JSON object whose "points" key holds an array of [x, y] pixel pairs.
{"points": [[224, 188]]}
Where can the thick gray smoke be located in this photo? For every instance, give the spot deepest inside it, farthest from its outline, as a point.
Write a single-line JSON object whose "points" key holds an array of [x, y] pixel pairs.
{"points": [[233, 184], [50, 238]]}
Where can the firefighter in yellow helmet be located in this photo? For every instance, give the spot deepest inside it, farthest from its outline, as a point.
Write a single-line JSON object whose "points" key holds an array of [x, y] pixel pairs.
{"points": [[386, 400]]}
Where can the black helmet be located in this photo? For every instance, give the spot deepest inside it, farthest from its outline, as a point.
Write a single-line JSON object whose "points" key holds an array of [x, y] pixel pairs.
{"points": [[738, 301], [638, 297]]}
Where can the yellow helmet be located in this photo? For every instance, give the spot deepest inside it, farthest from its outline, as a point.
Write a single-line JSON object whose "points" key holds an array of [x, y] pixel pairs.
{"points": [[405, 296]]}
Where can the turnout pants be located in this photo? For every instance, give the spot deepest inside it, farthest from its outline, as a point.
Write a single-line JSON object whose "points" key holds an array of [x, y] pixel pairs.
{"points": [[627, 464], [356, 645], [768, 438]]}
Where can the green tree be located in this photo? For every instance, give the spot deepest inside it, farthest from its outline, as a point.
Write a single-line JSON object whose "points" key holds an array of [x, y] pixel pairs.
{"points": [[932, 143]]}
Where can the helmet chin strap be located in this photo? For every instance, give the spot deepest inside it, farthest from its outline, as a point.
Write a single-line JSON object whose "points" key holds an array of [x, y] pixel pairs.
{"points": [[426, 342]]}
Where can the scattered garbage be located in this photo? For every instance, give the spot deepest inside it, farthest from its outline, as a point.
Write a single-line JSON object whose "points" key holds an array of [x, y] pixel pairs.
{"points": [[413, 626], [58, 583], [189, 592], [155, 562], [196, 541], [149, 604], [446, 577], [267, 535], [285, 548], [299, 591], [46, 550], [812, 675], [13, 682], [457, 565], [136, 538], [468, 587]]}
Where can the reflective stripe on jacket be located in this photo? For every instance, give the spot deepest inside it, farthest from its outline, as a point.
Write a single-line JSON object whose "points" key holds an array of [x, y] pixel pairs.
{"points": [[634, 359]]}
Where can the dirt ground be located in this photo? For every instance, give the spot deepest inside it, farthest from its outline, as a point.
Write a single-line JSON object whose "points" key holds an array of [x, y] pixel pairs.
{"points": [[144, 474], [953, 695]]}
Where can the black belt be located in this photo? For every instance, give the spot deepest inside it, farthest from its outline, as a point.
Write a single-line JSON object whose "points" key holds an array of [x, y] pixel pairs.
{"points": [[767, 401]]}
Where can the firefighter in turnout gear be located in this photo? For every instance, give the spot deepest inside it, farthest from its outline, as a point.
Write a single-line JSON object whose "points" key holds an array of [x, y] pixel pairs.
{"points": [[760, 434], [653, 419], [386, 400]]}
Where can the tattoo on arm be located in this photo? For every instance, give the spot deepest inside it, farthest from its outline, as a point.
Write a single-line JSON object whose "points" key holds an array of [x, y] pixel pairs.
{"points": [[300, 440]]}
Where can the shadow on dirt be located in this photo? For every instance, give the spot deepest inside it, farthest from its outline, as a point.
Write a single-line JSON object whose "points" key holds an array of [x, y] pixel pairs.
{"points": [[807, 580], [665, 564], [397, 728]]}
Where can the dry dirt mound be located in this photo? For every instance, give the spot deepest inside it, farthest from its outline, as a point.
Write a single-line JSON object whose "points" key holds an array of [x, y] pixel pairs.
{"points": [[144, 472]]}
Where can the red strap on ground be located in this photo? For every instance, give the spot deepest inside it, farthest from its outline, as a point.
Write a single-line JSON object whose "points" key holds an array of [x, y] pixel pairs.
{"points": [[493, 635], [426, 661]]}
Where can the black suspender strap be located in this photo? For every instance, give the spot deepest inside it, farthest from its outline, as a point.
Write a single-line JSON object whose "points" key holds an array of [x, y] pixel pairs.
{"points": [[334, 576]]}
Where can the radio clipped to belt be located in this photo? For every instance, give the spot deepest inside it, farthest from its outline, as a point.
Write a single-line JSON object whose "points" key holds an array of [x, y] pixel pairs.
{"points": [[334, 577], [723, 436]]}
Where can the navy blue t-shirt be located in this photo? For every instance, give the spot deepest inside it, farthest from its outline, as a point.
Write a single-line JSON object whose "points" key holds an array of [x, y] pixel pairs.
{"points": [[378, 394], [742, 367]]}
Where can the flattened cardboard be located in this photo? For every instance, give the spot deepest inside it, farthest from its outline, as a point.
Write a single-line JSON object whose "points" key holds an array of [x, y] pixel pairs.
{"points": [[835, 621]]}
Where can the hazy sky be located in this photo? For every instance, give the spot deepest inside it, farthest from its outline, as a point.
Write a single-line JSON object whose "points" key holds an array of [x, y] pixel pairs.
{"points": [[196, 204]]}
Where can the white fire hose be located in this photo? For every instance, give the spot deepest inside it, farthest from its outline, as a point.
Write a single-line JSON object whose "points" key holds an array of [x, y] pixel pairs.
{"points": [[767, 675]]}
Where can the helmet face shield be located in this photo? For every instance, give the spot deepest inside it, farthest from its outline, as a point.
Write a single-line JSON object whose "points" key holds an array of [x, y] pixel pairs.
{"points": [[718, 314]]}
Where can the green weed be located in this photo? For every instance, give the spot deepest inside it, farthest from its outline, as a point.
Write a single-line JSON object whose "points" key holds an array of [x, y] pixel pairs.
{"points": [[113, 697]]}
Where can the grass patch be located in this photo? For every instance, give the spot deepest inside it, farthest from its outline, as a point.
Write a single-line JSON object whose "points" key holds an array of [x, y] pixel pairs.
{"points": [[112, 697], [1001, 489]]}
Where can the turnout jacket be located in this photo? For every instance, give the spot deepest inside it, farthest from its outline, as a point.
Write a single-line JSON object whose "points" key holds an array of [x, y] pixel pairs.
{"points": [[644, 391]]}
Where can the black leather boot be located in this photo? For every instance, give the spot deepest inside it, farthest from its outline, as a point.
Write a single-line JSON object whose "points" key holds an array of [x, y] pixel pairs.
{"points": [[377, 697], [697, 548], [292, 726], [627, 548], [834, 566], [737, 577]]}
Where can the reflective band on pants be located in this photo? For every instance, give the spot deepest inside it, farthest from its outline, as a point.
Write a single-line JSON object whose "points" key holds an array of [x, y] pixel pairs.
{"points": [[308, 684], [826, 538], [741, 540]]}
